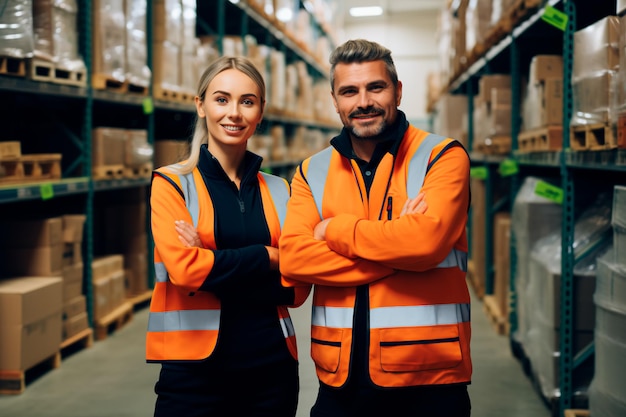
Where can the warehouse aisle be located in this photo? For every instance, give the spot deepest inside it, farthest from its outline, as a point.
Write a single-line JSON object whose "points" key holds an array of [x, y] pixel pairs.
{"points": [[111, 378]]}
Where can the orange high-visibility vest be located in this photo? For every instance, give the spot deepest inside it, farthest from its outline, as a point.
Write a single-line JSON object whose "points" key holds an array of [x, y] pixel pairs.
{"points": [[184, 323], [414, 266]]}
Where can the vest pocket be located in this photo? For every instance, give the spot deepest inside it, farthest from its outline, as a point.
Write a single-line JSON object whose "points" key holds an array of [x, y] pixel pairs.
{"points": [[420, 349], [326, 347]]}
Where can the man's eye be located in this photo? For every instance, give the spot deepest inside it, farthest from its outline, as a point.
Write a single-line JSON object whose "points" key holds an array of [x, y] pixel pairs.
{"points": [[248, 102]]}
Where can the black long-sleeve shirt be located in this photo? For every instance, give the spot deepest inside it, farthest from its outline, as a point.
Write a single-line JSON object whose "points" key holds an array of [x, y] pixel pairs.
{"points": [[250, 333]]}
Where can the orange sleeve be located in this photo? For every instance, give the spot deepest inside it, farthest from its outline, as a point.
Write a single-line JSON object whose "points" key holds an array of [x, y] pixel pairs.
{"points": [[305, 260], [188, 267], [416, 242]]}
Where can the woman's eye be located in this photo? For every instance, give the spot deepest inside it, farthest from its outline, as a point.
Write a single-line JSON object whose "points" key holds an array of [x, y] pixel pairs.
{"points": [[221, 100]]}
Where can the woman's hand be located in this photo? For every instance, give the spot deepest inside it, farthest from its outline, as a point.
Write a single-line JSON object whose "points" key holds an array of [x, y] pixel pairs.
{"points": [[273, 253], [187, 234]]}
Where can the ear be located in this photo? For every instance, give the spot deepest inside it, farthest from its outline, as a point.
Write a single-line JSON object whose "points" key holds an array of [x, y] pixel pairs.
{"points": [[199, 108], [399, 93]]}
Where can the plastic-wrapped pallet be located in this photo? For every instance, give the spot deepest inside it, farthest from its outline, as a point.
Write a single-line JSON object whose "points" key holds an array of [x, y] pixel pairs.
{"points": [[606, 393], [533, 217]]}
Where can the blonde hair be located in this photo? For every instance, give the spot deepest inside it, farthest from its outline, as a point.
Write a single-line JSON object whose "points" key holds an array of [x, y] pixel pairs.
{"points": [[200, 132]]}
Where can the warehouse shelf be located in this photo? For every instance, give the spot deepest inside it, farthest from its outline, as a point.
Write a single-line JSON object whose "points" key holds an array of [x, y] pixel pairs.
{"points": [[65, 115], [44, 190], [574, 172]]}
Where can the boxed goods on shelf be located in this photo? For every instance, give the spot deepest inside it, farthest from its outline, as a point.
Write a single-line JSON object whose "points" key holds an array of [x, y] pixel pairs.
{"points": [[30, 321], [16, 36]]}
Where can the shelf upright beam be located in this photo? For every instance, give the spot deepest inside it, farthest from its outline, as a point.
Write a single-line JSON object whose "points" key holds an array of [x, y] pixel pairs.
{"points": [[221, 25], [567, 226], [85, 42], [151, 125]]}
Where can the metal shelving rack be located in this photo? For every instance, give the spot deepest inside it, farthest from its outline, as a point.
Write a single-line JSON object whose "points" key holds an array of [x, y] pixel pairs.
{"points": [[77, 182], [506, 57]]}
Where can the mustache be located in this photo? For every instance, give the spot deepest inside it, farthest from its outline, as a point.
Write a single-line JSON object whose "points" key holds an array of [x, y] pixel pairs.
{"points": [[367, 111]]}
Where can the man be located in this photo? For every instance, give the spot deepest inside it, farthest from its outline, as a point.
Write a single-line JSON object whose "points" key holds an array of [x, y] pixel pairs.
{"points": [[376, 222]]}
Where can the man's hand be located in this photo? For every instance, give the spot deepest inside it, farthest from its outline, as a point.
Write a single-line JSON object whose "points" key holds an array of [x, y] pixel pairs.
{"points": [[415, 205], [187, 234], [319, 232]]}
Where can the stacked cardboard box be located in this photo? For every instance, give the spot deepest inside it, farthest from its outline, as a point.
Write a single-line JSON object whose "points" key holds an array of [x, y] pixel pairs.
{"points": [[75, 318], [32, 247], [108, 284], [492, 115], [30, 321]]}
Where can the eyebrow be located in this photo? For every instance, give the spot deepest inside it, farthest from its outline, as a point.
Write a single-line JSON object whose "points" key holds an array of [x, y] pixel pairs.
{"points": [[226, 93], [368, 85]]}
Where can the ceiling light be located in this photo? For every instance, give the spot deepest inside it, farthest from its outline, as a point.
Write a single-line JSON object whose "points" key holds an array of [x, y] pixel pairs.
{"points": [[366, 11]]}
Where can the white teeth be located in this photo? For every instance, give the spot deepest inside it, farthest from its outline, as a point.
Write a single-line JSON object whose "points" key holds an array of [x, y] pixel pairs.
{"points": [[233, 128]]}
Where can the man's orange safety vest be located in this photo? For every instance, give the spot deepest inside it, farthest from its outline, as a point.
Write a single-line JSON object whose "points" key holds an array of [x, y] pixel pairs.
{"points": [[414, 266]]}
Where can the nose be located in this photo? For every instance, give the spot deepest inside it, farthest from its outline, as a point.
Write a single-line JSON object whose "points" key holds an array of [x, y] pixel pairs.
{"points": [[234, 112], [364, 100]]}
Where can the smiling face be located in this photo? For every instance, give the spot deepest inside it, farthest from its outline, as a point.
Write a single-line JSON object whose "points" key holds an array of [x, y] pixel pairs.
{"points": [[232, 107], [365, 98]]}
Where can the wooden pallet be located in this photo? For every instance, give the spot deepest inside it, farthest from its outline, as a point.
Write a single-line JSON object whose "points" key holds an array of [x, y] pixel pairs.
{"points": [[83, 339], [549, 138], [113, 321], [167, 94], [30, 167], [140, 171], [593, 137], [14, 382], [107, 172], [12, 66], [576, 413], [500, 145], [140, 299], [108, 82], [10, 149], [474, 280], [621, 131], [46, 71], [495, 316]]}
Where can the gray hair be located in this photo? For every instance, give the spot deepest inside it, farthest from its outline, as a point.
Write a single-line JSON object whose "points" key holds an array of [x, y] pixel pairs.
{"points": [[358, 51]]}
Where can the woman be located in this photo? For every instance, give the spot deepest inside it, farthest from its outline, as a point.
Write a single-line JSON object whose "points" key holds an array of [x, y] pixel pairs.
{"points": [[218, 322]]}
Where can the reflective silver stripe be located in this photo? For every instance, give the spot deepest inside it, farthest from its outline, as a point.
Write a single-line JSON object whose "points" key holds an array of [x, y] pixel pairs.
{"points": [[280, 195], [287, 326], [188, 186], [413, 316], [160, 272], [419, 163], [319, 164], [179, 320], [337, 317], [456, 258]]}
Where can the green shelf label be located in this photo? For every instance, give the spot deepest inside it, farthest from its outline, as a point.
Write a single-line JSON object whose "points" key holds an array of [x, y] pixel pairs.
{"points": [[46, 191], [148, 106], [480, 173], [508, 167], [555, 17], [549, 191]]}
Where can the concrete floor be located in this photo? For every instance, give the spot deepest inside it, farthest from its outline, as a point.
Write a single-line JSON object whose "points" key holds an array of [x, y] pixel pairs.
{"points": [[111, 378]]}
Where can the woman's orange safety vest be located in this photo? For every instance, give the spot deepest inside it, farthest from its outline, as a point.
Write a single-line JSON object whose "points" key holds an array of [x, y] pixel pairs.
{"points": [[414, 265], [184, 323]]}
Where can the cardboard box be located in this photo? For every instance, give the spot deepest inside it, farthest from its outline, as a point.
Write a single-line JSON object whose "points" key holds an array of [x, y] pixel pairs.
{"points": [[103, 266], [72, 281], [136, 265], [74, 307], [118, 288], [596, 48], [101, 297], [73, 225], [109, 146], [30, 321], [31, 233], [502, 260], [74, 325], [39, 261], [167, 152], [487, 82], [543, 67]]}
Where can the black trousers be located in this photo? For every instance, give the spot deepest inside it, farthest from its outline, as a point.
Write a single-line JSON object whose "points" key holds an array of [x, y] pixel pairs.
{"points": [[360, 401], [199, 390]]}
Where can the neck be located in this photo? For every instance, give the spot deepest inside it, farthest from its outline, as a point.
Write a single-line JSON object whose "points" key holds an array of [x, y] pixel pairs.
{"points": [[363, 148], [230, 159]]}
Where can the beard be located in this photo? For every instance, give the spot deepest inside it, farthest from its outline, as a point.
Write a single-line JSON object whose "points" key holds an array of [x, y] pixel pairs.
{"points": [[373, 130]]}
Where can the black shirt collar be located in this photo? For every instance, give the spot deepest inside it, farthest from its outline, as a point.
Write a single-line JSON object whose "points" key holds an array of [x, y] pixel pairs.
{"points": [[211, 168], [391, 142]]}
